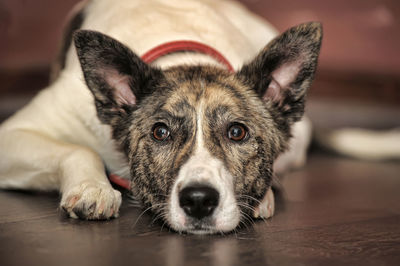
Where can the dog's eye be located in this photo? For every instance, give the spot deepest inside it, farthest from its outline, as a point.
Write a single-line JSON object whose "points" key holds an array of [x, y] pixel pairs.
{"points": [[237, 132], [161, 132]]}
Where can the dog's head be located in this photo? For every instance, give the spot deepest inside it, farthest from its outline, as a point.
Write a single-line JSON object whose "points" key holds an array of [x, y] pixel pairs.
{"points": [[201, 141]]}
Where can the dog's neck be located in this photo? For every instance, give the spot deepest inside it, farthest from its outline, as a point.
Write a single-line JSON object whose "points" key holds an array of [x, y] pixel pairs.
{"points": [[185, 52]]}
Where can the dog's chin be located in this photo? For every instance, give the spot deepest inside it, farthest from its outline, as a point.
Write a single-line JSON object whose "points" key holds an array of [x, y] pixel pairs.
{"points": [[206, 227], [201, 230]]}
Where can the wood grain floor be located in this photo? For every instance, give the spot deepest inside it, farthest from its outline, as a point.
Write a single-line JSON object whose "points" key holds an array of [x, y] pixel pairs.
{"points": [[335, 211]]}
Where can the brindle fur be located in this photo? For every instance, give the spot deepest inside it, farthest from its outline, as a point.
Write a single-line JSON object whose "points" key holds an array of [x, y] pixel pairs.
{"points": [[173, 97]]}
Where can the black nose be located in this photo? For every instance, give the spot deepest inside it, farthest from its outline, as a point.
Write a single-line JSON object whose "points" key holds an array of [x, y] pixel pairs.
{"points": [[198, 201]]}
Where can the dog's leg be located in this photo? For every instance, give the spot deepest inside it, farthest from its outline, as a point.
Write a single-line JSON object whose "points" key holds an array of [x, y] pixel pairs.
{"points": [[30, 160], [266, 208], [293, 158]]}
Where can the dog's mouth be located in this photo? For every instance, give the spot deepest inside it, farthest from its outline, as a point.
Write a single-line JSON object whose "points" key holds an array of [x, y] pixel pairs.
{"points": [[202, 231], [200, 228]]}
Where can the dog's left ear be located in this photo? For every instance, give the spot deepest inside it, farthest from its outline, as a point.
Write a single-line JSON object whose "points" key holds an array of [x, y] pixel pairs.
{"points": [[283, 71], [117, 78]]}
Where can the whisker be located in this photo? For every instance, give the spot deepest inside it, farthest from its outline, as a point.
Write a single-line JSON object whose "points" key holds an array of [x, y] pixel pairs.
{"points": [[249, 197], [235, 232], [246, 206], [248, 218], [249, 207], [140, 216], [157, 217], [146, 210], [162, 226], [161, 214], [245, 219]]}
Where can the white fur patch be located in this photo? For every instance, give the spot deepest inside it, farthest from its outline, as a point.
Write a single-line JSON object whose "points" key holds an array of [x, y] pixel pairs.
{"points": [[204, 168]]}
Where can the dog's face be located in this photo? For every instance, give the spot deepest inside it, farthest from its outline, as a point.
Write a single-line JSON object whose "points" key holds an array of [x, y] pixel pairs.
{"points": [[201, 141]]}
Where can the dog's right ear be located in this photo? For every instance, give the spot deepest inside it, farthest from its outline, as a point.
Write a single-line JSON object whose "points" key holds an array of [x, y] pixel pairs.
{"points": [[116, 76], [283, 71]]}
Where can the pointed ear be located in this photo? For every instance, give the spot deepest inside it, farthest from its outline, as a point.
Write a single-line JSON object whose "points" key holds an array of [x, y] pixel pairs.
{"points": [[283, 71], [117, 77]]}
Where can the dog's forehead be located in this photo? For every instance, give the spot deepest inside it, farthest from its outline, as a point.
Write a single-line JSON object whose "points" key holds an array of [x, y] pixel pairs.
{"points": [[212, 89]]}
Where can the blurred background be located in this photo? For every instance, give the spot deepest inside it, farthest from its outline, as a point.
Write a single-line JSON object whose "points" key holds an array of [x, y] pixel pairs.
{"points": [[357, 84]]}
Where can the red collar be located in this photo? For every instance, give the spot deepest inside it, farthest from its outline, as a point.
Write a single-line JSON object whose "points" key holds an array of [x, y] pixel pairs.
{"points": [[183, 46], [122, 182], [164, 49]]}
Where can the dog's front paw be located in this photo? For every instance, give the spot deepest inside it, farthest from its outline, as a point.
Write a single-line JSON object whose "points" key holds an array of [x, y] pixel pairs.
{"points": [[266, 208], [91, 201]]}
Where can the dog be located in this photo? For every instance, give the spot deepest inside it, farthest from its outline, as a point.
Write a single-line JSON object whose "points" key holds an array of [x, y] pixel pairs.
{"points": [[196, 131]]}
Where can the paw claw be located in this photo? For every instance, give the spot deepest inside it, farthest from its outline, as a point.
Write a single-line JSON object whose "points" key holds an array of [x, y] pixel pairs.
{"points": [[267, 207], [91, 202]]}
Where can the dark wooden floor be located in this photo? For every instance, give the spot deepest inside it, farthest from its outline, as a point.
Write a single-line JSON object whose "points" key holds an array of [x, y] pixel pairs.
{"points": [[336, 211]]}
